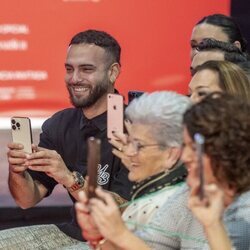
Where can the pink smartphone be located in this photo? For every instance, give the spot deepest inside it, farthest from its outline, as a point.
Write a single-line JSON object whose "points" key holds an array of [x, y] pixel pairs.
{"points": [[93, 161], [21, 132], [115, 114]]}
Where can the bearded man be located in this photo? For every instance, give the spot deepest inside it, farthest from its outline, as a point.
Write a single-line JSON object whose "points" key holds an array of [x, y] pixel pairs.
{"points": [[92, 67]]}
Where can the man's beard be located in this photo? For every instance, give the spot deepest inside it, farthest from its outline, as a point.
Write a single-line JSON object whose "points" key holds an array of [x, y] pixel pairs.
{"points": [[95, 93]]}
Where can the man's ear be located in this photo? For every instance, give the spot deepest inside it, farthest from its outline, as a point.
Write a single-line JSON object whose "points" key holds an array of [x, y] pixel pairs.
{"points": [[237, 44], [114, 72]]}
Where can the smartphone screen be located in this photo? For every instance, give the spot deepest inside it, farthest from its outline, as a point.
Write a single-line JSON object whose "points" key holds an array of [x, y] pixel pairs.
{"points": [[21, 132], [115, 115], [199, 140], [93, 161], [132, 94]]}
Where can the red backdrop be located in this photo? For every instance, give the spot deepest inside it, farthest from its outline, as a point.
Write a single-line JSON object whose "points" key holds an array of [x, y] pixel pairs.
{"points": [[34, 35]]}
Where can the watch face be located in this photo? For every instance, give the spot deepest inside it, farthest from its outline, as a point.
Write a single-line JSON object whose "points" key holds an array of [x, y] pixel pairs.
{"points": [[79, 178], [79, 182]]}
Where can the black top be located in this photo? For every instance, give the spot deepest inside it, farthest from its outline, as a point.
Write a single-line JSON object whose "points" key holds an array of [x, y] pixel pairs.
{"points": [[67, 132]]}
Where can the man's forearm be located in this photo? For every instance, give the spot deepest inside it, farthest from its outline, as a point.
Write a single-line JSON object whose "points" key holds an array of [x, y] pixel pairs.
{"points": [[24, 190]]}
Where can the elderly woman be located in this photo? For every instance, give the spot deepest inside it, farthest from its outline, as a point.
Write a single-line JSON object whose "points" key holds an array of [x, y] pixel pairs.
{"points": [[151, 153], [219, 76], [224, 122]]}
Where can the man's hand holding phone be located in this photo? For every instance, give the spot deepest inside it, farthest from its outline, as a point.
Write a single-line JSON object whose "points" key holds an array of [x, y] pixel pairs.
{"points": [[21, 144], [50, 162], [16, 158]]}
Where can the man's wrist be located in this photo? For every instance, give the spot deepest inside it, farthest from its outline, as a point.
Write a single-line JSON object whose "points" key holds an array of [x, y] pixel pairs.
{"points": [[20, 173], [68, 181], [76, 182]]}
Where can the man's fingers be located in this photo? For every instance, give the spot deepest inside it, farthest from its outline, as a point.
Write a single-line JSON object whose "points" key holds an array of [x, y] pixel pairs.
{"points": [[18, 168], [16, 154], [34, 148], [40, 154], [17, 161], [13, 146], [40, 168], [39, 162]]}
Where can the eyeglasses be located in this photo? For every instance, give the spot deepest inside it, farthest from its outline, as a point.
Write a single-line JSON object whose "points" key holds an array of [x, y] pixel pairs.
{"points": [[138, 146]]}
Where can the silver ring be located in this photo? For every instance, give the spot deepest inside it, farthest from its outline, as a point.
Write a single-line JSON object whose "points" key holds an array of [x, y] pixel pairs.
{"points": [[120, 149]]}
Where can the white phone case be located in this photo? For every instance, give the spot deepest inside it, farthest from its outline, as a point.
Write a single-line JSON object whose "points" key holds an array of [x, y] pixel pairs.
{"points": [[21, 132]]}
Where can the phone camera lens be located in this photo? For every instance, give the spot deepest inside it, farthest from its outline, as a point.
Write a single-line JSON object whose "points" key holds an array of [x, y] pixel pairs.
{"points": [[13, 121], [18, 124], [13, 127]]}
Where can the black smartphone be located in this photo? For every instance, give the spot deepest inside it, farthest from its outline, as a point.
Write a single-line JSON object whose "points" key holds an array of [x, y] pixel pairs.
{"points": [[199, 140], [93, 161], [134, 94], [21, 132]]}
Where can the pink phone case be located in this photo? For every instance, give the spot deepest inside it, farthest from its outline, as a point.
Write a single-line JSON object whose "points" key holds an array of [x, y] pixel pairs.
{"points": [[115, 114]]}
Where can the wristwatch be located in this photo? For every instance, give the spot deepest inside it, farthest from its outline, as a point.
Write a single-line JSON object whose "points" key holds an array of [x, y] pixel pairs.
{"points": [[79, 182]]}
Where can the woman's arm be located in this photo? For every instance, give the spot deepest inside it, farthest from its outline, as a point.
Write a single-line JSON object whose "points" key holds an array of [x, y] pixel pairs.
{"points": [[209, 212], [107, 217]]}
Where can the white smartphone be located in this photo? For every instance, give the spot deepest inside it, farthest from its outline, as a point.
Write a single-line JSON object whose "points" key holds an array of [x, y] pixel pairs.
{"points": [[22, 133], [115, 114]]}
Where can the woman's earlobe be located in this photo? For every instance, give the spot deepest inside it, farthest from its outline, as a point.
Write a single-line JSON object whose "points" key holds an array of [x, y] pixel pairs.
{"points": [[237, 44]]}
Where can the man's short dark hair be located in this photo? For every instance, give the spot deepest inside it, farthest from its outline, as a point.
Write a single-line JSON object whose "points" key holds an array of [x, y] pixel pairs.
{"points": [[101, 39]]}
